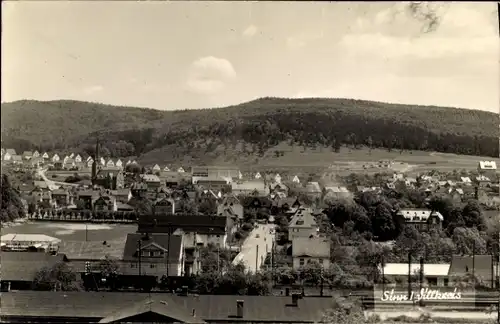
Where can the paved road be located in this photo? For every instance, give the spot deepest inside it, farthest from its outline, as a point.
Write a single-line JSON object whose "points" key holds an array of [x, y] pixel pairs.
{"points": [[256, 246]]}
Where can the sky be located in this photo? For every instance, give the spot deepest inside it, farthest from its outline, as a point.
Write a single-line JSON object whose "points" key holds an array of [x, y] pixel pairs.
{"points": [[184, 55]]}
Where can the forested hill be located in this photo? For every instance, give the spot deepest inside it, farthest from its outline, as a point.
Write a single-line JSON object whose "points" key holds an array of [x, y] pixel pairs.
{"points": [[261, 123]]}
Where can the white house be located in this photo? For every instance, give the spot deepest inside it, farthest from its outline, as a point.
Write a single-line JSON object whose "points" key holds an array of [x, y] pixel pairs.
{"points": [[487, 168], [56, 158], [119, 163], [310, 249], [7, 156], [434, 274], [45, 155], [258, 175], [166, 169], [277, 178], [240, 175], [296, 179], [72, 155], [156, 167], [66, 158], [181, 170], [110, 163], [78, 158], [89, 163], [89, 158], [134, 162], [36, 154], [128, 162], [103, 161]]}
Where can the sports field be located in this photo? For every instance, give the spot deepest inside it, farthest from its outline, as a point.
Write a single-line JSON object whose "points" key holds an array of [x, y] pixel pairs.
{"points": [[74, 231]]}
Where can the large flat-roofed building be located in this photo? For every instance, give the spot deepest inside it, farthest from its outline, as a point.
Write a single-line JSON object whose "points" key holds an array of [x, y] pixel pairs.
{"points": [[29, 242], [215, 171]]}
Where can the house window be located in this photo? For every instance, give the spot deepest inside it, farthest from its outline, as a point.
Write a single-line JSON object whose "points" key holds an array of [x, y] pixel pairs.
{"points": [[301, 261], [432, 281], [145, 253], [445, 282], [152, 266], [156, 253], [218, 236]]}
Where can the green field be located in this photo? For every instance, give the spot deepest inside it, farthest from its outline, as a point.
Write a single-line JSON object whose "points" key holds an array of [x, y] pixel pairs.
{"points": [[296, 159]]}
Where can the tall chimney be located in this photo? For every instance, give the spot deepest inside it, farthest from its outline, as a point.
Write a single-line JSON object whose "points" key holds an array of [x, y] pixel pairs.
{"points": [[239, 308]]}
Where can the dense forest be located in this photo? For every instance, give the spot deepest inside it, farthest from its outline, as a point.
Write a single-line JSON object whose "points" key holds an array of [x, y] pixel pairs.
{"points": [[260, 124]]}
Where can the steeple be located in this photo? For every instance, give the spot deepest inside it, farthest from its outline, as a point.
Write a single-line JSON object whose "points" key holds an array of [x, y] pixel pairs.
{"points": [[96, 162]]}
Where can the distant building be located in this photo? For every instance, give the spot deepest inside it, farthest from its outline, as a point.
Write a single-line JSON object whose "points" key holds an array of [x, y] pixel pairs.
{"points": [[110, 178], [422, 219], [306, 250], [152, 181], [19, 268], [29, 242], [487, 168], [157, 252], [215, 171], [302, 224]]}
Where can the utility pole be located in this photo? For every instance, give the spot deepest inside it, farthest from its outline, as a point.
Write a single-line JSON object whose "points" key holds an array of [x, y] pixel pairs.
{"points": [[382, 263], [257, 259], [474, 263], [139, 242], [169, 228], [409, 275]]}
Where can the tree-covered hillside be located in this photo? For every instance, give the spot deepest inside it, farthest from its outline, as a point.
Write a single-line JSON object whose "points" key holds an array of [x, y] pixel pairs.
{"points": [[261, 123]]}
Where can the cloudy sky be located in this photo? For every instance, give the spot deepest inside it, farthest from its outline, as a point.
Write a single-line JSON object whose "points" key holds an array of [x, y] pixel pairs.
{"points": [[177, 55]]}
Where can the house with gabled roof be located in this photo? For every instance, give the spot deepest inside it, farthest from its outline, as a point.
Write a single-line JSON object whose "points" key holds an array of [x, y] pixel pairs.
{"points": [[230, 206], [6, 156], [165, 205], [277, 178], [156, 251], [89, 163], [71, 155], [78, 158], [302, 224], [128, 162], [36, 154], [296, 179], [17, 159], [487, 168], [156, 167], [55, 158], [105, 203], [258, 176], [45, 155], [180, 170], [312, 249], [110, 163], [285, 206], [11, 152], [119, 163], [102, 161], [166, 169]]}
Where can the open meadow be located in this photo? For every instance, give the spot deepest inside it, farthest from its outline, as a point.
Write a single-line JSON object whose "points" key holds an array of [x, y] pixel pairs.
{"points": [[296, 159]]}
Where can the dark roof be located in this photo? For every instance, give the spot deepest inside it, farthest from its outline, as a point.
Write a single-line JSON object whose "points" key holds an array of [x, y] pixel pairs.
{"points": [[189, 223], [282, 201], [132, 246], [91, 250], [22, 266], [482, 264], [99, 305], [165, 307]]}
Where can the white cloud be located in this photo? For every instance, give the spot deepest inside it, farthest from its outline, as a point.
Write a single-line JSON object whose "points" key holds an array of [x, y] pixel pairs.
{"points": [[250, 31], [93, 89], [462, 30], [209, 75]]}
